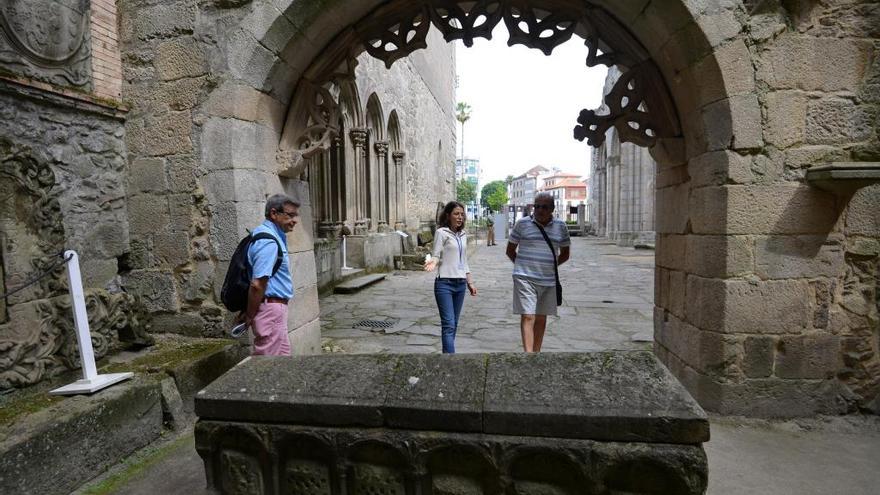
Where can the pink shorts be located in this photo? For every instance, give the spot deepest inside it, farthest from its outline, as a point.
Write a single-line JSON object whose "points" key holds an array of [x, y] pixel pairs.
{"points": [[270, 330]]}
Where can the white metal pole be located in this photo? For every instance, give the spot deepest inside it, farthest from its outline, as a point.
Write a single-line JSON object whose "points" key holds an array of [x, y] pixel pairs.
{"points": [[344, 257], [80, 317], [91, 381]]}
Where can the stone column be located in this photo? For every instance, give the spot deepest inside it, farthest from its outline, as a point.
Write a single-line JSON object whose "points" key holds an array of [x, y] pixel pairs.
{"points": [[380, 193], [359, 139], [399, 190]]}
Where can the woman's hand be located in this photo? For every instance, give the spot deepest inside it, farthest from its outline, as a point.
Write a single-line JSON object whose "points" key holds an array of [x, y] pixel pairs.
{"points": [[431, 264], [472, 288]]}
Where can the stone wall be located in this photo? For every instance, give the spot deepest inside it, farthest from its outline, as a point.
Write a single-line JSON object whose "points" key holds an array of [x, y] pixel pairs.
{"points": [[420, 88], [62, 186], [766, 285]]}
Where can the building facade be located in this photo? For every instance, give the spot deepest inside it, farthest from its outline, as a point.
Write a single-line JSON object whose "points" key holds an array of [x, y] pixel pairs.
{"points": [[568, 191], [469, 170]]}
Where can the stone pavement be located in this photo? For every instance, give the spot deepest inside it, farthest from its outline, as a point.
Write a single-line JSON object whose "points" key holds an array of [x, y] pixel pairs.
{"points": [[608, 295]]}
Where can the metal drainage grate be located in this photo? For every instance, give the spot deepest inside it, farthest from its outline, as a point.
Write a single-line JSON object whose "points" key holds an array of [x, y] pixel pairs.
{"points": [[377, 323]]}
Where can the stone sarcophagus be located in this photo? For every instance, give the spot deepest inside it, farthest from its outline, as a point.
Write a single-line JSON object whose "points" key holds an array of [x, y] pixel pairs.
{"points": [[566, 423]]}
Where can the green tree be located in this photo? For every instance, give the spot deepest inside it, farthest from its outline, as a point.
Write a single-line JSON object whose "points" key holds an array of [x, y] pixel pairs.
{"points": [[494, 195], [466, 191]]}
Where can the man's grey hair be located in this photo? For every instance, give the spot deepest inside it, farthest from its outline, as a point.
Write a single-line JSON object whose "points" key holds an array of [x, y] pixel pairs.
{"points": [[545, 195], [277, 201]]}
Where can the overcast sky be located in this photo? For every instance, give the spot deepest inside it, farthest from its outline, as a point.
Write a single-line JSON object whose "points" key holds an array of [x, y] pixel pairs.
{"points": [[525, 104]]}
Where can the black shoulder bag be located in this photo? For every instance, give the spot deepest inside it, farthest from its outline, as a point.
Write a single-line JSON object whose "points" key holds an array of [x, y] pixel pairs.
{"points": [[555, 265]]}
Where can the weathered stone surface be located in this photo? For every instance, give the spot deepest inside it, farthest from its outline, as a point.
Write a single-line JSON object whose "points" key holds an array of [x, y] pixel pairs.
{"points": [[306, 339], [46, 454], [567, 395], [733, 123], [318, 390], [719, 256], [739, 306], [430, 394], [798, 257], [801, 62], [758, 356], [808, 356], [245, 103], [573, 401], [304, 307], [381, 460], [786, 118], [171, 249], [837, 121], [159, 21], [173, 414], [180, 58], [861, 216], [758, 209], [718, 168], [147, 175], [155, 288]]}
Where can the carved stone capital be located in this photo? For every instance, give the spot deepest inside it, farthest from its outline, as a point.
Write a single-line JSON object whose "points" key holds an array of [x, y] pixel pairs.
{"points": [[359, 137], [398, 156], [381, 148]]}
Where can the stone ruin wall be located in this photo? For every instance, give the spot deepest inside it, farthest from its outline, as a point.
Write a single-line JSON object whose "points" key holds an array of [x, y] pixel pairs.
{"points": [[766, 287], [62, 185], [422, 92]]}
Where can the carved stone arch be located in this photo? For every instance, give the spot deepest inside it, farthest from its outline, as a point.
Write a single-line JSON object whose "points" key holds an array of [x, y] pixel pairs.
{"points": [[350, 105], [375, 118], [395, 138]]}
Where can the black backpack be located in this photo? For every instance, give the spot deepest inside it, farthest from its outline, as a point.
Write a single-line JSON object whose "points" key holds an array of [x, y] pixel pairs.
{"points": [[234, 294]]}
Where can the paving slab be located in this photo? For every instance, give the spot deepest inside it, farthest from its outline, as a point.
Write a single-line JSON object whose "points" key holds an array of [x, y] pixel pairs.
{"points": [[358, 283]]}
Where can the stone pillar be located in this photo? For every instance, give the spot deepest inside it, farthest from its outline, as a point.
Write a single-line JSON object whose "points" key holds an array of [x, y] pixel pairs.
{"points": [[359, 188], [399, 189], [380, 195]]}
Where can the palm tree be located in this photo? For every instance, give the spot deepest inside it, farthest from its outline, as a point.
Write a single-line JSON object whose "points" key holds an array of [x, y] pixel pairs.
{"points": [[462, 114]]}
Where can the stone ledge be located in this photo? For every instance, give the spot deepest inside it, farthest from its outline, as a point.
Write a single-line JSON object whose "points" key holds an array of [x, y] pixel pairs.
{"points": [[844, 178], [611, 396]]}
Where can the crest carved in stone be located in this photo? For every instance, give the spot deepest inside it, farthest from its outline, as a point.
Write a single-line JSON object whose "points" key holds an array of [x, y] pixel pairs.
{"points": [[46, 40]]}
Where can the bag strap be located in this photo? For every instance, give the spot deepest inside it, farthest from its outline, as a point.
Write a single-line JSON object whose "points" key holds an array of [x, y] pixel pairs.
{"points": [[552, 250], [266, 235]]}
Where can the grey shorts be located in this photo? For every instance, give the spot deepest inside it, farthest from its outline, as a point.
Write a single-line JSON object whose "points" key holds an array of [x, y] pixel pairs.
{"points": [[531, 299]]}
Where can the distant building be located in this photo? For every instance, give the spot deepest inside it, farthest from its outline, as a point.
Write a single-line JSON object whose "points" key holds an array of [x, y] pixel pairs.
{"points": [[523, 188], [469, 170], [568, 191]]}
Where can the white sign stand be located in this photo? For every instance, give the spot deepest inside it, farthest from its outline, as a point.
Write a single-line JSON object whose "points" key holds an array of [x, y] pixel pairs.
{"points": [[344, 257], [91, 381]]}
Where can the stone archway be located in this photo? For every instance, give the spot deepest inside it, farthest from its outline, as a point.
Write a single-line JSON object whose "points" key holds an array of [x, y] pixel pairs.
{"points": [[754, 295]]}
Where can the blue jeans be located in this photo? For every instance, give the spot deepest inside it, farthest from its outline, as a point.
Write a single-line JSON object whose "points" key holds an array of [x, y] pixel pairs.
{"points": [[449, 293]]}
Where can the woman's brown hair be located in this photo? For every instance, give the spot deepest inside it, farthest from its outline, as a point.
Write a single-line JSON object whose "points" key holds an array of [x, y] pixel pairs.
{"points": [[447, 212]]}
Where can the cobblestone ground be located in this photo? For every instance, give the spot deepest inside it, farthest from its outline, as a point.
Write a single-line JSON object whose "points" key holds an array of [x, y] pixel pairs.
{"points": [[607, 304]]}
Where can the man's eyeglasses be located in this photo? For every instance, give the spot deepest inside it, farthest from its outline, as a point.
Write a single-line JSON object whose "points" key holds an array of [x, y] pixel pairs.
{"points": [[543, 207], [288, 213]]}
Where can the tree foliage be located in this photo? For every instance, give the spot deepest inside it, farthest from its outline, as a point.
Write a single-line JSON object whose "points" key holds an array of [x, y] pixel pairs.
{"points": [[466, 191], [494, 195]]}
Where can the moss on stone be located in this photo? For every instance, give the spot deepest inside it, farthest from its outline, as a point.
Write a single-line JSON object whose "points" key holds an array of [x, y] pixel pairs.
{"points": [[25, 403], [168, 354]]}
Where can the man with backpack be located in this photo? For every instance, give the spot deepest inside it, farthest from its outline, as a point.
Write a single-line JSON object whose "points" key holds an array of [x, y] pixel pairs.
{"points": [[271, 285]]}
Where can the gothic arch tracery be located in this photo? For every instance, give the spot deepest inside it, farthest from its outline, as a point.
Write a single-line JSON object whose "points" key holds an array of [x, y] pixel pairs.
{"points": [[639, 105]]}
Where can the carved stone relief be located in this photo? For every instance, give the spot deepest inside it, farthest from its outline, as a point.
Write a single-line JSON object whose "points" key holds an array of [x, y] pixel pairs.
{"points": [[38, 340], [640, 106], [46, 40]]}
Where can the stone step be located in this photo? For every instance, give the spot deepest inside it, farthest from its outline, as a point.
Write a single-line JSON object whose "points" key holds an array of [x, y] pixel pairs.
{"points": [[356, 284]]}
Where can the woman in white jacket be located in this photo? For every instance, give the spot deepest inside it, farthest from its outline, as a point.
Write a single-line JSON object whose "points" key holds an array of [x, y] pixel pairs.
{"points": [[454, 274]]}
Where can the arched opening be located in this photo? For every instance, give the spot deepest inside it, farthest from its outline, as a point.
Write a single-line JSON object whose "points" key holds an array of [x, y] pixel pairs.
{"points": [[713, 300]]}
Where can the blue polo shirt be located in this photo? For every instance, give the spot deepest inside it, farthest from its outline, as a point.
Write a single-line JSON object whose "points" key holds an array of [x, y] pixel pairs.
{"points": [[262, 255]]}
